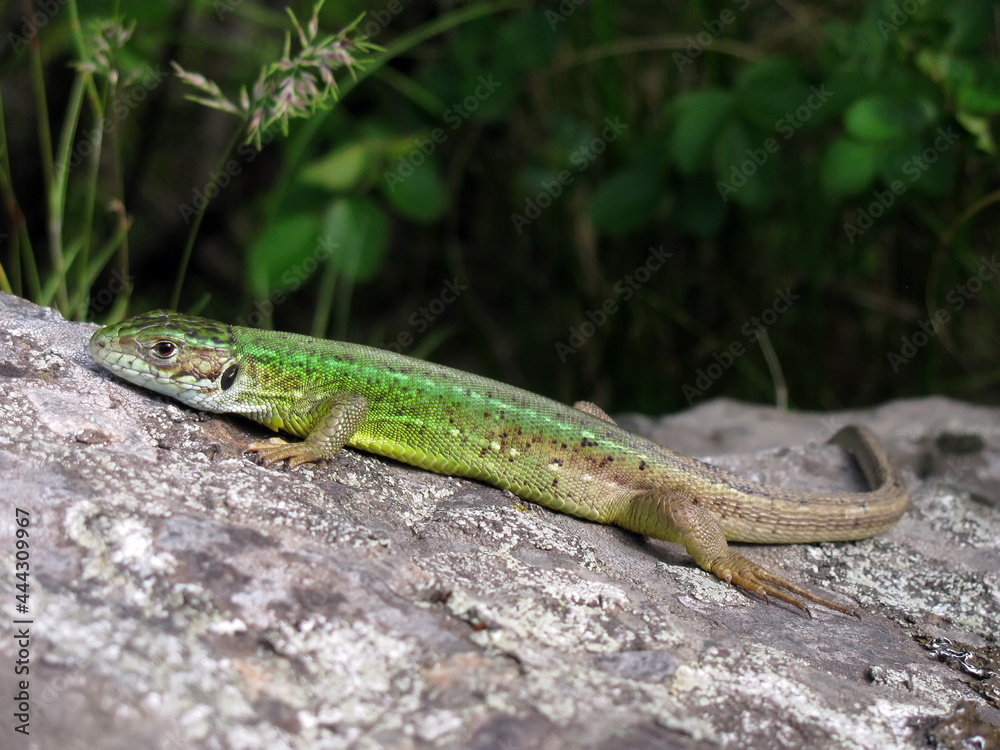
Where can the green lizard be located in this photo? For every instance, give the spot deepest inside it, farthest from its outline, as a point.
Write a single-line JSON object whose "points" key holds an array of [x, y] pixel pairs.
{"points": [[571, 459]]}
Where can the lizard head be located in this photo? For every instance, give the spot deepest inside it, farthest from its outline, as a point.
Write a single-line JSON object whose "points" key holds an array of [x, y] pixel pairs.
{"points": [[188, 358]]}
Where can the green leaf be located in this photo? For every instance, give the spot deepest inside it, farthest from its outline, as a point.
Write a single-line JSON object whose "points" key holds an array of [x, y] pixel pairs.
{"points": [[355, 236], [882, 118], [982, 96], [971, 24], [278, 258], [625, 201], [771, 91], [979, 127], [925, 164], [418, 193], [847, 86], [699, 118], [340, 169], [525, 41], [848, 166]]}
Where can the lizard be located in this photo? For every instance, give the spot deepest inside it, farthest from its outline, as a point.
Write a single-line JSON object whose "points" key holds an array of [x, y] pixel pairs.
{"points": [[573, 459]]}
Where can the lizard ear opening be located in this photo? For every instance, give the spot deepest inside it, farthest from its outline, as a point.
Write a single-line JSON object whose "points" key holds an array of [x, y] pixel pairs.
{"points": [[226, 381]]}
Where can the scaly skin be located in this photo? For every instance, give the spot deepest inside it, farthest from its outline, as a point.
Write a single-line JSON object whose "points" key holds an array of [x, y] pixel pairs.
{"points": [[570, 459]]}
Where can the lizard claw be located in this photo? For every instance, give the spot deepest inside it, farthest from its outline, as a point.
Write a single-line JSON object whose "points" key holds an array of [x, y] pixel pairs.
{"points": [[274, 450], [741, 571]]}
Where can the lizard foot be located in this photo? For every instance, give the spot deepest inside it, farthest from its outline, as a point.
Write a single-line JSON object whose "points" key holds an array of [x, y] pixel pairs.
{"points": [[274, 450], [743, 572]]}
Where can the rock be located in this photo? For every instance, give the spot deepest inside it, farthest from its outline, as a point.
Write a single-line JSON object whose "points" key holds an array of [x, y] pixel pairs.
{"points": [[181, 596]]}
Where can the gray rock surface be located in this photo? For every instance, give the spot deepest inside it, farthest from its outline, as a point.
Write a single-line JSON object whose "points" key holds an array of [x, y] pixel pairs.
{"points": [[182, 596]]}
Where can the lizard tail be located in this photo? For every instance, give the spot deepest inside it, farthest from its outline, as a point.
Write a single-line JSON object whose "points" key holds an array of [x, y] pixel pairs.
{"points": [[888, 496], [794, 517]]}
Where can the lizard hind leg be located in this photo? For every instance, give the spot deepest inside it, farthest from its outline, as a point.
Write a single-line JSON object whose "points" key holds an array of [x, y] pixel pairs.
{"points": [[673, 517]]}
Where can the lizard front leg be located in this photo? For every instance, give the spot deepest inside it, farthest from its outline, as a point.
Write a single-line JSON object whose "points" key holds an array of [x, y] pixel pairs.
{"points": [[336, 420], [666, 515]]}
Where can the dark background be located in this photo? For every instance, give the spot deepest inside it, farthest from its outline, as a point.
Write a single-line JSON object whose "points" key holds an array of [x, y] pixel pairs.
{"points": [[826, 170]]}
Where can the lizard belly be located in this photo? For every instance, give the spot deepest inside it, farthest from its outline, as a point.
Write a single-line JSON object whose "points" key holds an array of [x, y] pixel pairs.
{"points": [[530, 477]]}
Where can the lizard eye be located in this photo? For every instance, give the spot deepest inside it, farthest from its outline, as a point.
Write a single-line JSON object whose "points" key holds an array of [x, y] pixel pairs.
{"points": [[164, 349]]}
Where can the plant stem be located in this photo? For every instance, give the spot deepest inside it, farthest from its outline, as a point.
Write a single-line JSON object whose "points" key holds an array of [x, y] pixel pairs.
{"points": [[20, 240], [93, 176], [60, 181], [48, 171], [298, 146], [175, 297]]}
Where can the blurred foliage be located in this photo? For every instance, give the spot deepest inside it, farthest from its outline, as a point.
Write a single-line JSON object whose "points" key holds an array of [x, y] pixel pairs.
{"points": [[493, 189]]}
